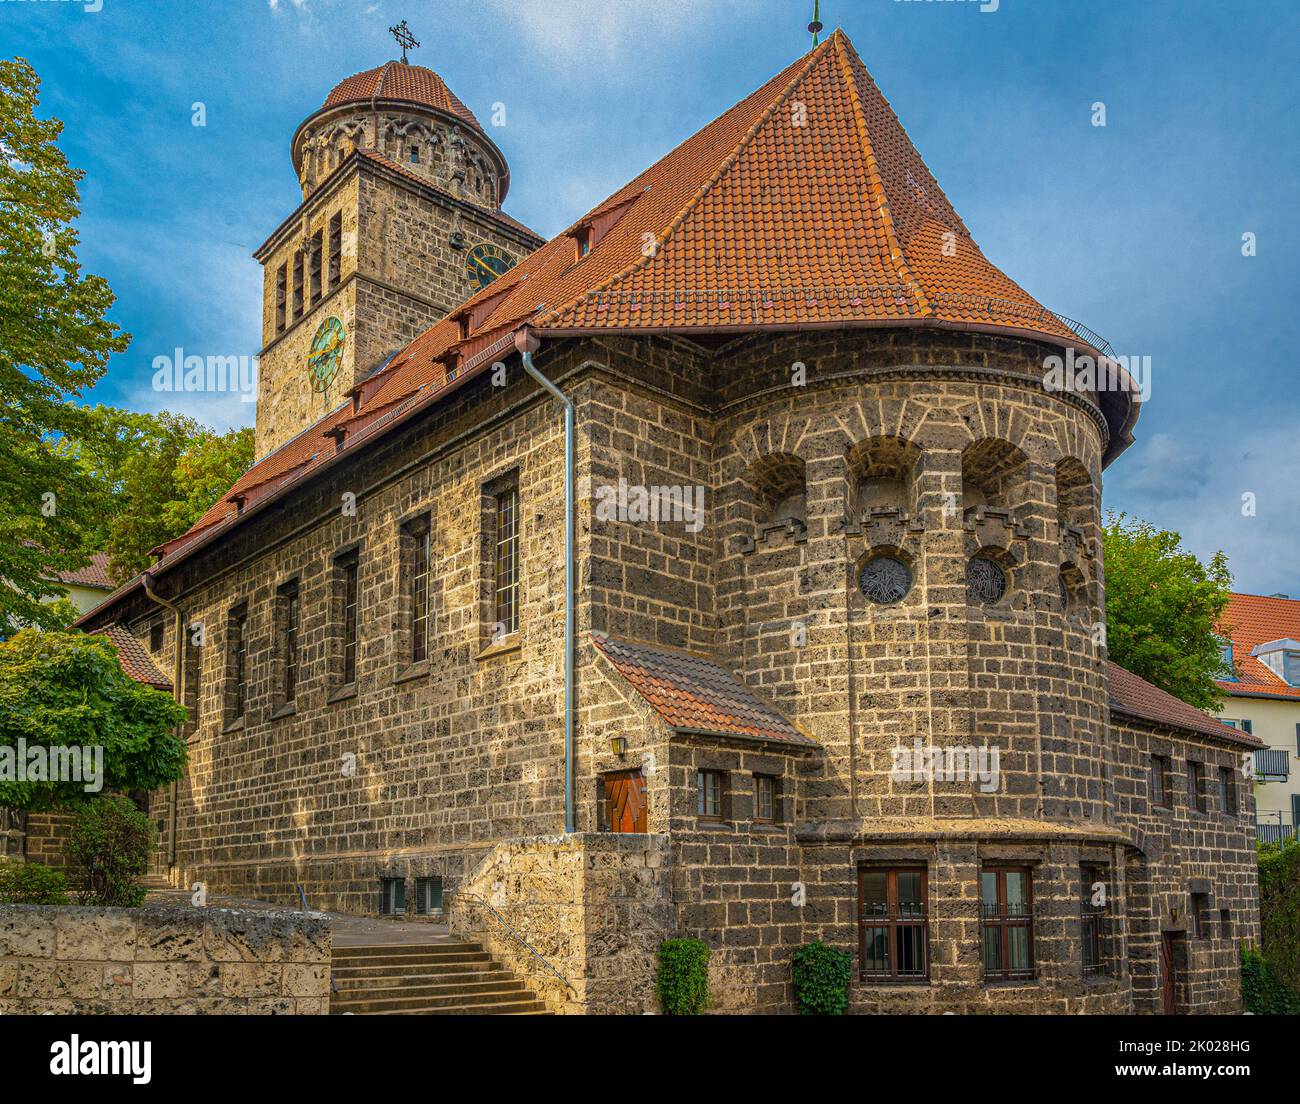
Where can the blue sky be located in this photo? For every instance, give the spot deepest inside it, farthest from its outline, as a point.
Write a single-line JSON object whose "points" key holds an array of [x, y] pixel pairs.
{"points": [[1134, 228]]}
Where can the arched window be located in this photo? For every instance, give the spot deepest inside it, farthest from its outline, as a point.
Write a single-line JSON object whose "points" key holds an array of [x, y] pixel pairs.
{"points": [[993, 474], [882, 473], [780, 480]]}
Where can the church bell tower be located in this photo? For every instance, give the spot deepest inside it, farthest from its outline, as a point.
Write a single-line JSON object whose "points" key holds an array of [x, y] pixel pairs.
{"points": [[400, 222]]}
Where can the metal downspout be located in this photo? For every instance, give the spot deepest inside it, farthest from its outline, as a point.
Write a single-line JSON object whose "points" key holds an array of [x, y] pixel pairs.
{"points": [[528, 343], [178, 681]]}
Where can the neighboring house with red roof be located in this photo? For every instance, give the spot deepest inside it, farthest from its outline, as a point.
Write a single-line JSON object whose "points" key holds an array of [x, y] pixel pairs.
{"points": [[1261, 642], [87, 586], [837, 668]]}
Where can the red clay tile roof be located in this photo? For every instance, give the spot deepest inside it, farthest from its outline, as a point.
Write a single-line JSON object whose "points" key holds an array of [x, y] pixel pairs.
{"points": [[690, 692], [1138, 698], [94, 574], [136, 662], [753, 223], [1250, 620], [399, 80]]}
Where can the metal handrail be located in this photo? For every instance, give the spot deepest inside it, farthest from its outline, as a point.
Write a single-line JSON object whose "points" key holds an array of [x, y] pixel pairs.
{"points": [[458, 894]]}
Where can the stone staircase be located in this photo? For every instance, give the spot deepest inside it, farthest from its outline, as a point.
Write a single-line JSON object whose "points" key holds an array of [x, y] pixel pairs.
{"points": [[444, 978]]}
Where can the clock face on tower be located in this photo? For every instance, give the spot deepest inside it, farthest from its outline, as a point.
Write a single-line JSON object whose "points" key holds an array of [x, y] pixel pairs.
{"points": [[326, 354], [484, 263]]}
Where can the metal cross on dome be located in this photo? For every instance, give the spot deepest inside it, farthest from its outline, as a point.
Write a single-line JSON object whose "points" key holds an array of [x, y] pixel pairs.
{"points": [[405, 39]]}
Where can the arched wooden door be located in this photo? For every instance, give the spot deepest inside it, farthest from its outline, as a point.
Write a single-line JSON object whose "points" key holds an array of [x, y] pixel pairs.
{"points": [[625, 801]]}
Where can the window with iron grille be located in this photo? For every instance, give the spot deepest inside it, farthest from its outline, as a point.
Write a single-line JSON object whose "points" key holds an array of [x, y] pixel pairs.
{"points": [[893, 924], [289, 639], [1196, 784], [506, 561], [237, 656], [347, 567], [766, 796], [336, 250], [392, 896], [1159, 780], [1007, 908], [708, 794], [428, 896], [418, 538], [1095, 918]]}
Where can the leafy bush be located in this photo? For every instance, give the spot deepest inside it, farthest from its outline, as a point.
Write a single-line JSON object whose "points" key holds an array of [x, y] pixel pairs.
{"points": [[1279, 909], [108, 848], [682, 981], [32, 883], [67, 692], [1262, 991], [821, 979]]}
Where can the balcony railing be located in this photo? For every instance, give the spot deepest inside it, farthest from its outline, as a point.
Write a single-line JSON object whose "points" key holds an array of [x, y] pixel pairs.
{"points": [[1274, 832], [1272, 764]]}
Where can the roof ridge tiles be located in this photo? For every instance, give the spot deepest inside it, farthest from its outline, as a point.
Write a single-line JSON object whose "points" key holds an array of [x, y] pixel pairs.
{"points": [[876, 182]]}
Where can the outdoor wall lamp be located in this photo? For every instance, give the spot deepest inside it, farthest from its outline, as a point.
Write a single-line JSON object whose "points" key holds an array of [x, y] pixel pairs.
{"points": [[618, 745]]}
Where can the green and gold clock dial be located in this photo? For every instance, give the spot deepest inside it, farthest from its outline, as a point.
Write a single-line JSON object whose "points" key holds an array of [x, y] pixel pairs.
{"points": [[326, 356], [484, 263]]}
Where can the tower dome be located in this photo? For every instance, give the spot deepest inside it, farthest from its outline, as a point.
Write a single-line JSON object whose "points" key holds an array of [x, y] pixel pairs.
{"points": [[400, 80], [406, 114]]}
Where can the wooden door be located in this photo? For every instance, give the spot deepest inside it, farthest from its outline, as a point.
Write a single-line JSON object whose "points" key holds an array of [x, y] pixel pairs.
{"points": [[1168, 974], [625, 801]]}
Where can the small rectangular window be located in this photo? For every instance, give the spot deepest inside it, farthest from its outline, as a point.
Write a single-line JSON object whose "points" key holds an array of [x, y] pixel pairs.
{"points": [[1225, 923], [392, 896], [1227, 792], [708, 794], [506, 584], [419, 540], [415, 155], [155, 636], [893, 924], [347, 567], [428, 896], [289, 640], [1196, 785], [281, 280], [1159, 780], [1007, 907], [297, 284], [237, 648], [1094, 918], [336, 250], [317, 259], [1200, 902], [766, 795]]}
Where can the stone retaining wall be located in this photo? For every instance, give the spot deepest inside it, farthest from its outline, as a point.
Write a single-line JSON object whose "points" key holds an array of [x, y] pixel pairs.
{"points": [[594, 905], [159, 960]]}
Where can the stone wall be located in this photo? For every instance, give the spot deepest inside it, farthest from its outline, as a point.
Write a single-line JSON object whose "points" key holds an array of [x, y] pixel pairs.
{"points": [[158, 960], [595, 905]]}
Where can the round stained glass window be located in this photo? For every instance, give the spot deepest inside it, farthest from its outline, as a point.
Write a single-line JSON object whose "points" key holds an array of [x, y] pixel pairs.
{"points": [[986, 582], [885, 580]]}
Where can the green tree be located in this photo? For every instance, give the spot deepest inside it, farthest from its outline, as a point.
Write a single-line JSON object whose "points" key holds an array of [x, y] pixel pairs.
{"points": [[157, 474], [1162, 607], [69, 690], [55, 341]]}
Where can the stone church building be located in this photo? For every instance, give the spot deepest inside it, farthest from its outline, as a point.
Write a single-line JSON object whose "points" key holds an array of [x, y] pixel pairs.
{"points": [[838, 665]]}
